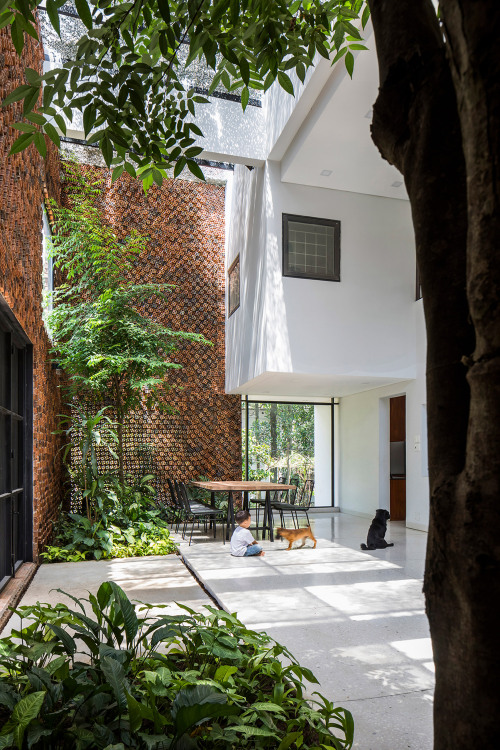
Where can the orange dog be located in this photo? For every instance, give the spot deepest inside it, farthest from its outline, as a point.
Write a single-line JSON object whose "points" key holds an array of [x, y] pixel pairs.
{"points": [[292, 535]]}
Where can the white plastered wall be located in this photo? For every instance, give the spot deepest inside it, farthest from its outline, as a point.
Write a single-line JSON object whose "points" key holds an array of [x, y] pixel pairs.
{"points": [[322, 456], [366, 325], [360, 326], [364, 444], [245, 236]]}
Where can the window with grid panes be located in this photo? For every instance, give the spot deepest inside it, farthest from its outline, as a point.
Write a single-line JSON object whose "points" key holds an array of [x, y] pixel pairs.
{"points": [[311, 248]]}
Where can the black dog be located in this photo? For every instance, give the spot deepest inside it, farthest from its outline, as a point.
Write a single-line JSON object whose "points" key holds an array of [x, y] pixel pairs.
{"points": [[376, 532]]}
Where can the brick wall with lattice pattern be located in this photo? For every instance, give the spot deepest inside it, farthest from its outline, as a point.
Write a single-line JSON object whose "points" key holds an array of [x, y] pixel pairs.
{"points": [[184, 222], [21, 197]]}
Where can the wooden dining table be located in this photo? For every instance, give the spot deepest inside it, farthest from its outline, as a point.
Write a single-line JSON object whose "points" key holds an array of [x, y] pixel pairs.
{"points": [[245, 487]]}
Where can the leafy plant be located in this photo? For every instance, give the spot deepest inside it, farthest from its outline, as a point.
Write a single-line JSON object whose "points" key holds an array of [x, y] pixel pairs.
{"points": [[111, 352], [61, 554], [106, 674], [259, 459], [145, 544], [130, 76], [86, 437], [296, 465], [125, 523], [280, 441]]}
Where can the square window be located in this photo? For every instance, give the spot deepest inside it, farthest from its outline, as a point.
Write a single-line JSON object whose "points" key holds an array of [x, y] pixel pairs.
{"points": [[311, 248], [234, 286]]}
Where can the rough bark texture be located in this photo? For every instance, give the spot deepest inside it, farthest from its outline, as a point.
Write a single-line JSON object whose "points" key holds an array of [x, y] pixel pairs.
{"points": [[437, 120]]}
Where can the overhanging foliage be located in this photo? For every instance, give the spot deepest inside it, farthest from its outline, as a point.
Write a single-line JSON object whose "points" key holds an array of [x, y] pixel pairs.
{"points": [[129, 82]]}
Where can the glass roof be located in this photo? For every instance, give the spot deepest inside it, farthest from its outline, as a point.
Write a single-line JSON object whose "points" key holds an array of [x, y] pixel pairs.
{"points": [[59, 49]]}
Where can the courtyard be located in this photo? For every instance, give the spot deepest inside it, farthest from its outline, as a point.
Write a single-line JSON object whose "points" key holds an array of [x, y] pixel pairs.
{"points": [[356, 619], [246, 241]]}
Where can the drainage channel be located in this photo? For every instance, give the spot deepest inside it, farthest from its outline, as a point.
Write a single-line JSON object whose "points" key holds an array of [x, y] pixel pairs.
{"points": [[208, 591]]}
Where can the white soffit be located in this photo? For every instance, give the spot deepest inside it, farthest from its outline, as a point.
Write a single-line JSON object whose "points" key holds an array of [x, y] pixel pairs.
{"points": [[306, 386], [335, 136]]}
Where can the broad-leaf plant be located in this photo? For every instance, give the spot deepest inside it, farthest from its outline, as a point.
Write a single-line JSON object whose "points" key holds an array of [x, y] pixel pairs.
{"points": [[105, 674]]}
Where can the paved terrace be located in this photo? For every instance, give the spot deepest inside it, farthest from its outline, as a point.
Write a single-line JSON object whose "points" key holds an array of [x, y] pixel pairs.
{"points": [[355, 618]]}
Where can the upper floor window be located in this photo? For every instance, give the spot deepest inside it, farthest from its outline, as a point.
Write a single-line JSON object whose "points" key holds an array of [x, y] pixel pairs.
{"points": [[234, 286], [311, 248]]}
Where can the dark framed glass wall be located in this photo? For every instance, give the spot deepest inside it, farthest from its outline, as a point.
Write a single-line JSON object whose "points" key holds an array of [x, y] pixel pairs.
{"points": [[290, 442], [16, 500]]}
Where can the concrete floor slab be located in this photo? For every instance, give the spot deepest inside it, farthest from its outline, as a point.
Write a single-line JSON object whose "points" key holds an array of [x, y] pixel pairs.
{"points": [[156, 580], [355, 618]]}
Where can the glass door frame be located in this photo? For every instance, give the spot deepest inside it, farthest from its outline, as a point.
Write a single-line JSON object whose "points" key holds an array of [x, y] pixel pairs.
{"points": [[247, 400], [16, 444]]}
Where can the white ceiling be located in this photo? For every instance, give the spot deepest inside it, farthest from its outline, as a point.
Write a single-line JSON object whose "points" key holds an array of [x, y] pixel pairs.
{"points": [[301, 386], [335, 135]]}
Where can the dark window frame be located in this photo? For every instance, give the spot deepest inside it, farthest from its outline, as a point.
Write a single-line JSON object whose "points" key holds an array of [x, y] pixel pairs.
{"points": [[230, 275], [16, 444], [334, 223]]}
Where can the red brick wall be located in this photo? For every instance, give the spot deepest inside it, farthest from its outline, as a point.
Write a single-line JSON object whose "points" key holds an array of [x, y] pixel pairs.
{"points": [[21, 197], [184, 222]]}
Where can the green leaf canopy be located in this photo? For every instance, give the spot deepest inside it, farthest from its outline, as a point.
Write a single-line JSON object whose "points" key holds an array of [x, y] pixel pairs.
{"points": [[130, 74]]}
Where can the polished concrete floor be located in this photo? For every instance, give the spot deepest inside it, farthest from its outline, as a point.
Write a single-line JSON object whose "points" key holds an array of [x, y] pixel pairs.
{"points": [[355, 618], [156, 580]]}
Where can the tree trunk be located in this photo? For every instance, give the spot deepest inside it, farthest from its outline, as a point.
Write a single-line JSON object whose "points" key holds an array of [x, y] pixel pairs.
{"points": [[436, 119], [273, 425]]}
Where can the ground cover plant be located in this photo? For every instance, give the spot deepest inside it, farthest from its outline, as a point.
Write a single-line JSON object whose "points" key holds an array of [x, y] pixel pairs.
{"points": [[154, 681], [112, 518], [123, 521]]}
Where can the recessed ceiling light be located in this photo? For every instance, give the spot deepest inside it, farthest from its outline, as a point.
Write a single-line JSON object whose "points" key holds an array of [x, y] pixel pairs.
{"points": [[396, 183], [326, 172], [369, 114]]}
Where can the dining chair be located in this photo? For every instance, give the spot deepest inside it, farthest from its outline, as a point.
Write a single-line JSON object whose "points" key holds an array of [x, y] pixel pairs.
{"points": [[196, 511], [178, 506], [288, 505], [303, 505]]}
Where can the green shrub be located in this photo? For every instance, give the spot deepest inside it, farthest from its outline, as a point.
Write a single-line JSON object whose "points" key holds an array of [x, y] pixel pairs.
{"points": [[124, 523], [171, 682], [61, 554]]}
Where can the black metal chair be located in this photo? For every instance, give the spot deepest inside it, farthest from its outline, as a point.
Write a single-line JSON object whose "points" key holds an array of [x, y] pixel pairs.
{"points": [[305, 501], [300, 502], [195, 511], [178, 507], [287, 505]]}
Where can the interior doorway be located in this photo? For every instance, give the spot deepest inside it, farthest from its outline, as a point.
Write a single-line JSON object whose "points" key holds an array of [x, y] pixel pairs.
{"points": [[397, 438]]}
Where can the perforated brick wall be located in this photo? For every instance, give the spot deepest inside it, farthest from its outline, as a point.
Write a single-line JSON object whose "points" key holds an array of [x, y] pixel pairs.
{"points": [[21, 197], [184, 222]]}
